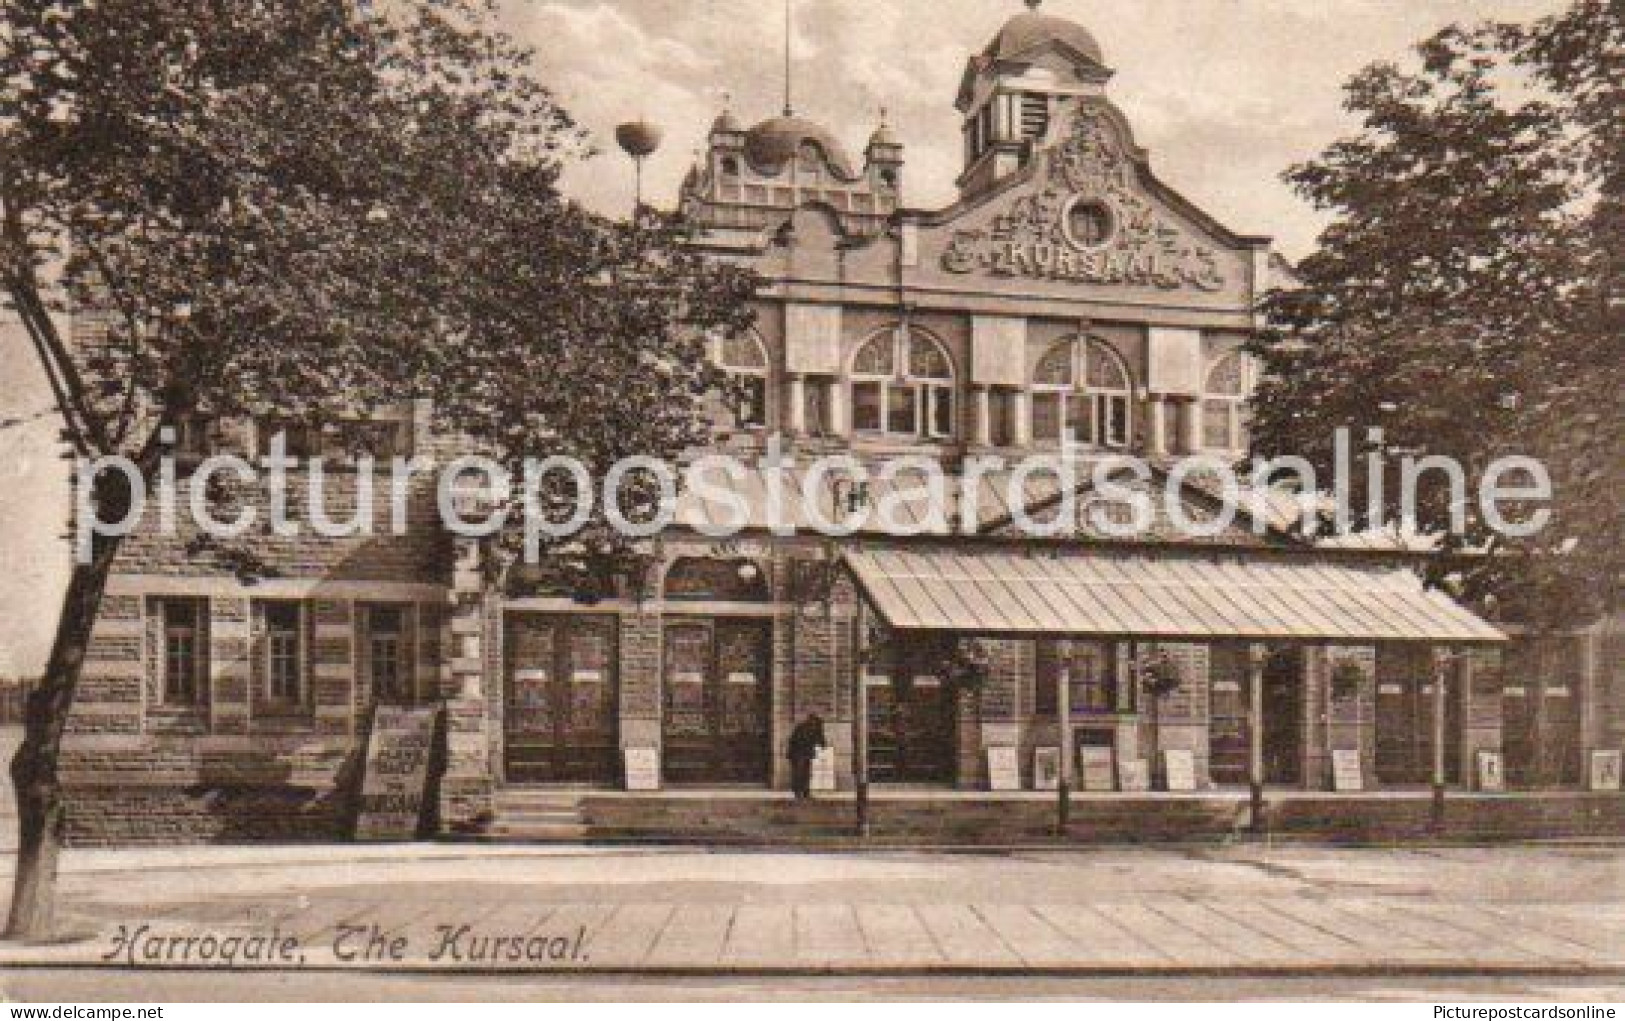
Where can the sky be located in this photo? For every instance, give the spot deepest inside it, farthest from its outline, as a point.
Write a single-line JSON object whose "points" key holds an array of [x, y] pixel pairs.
{"points": [[1225, 94]]}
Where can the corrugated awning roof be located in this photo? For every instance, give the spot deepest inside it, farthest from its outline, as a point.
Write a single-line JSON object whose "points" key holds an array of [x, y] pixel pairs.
{"points": [[1172, 598]]}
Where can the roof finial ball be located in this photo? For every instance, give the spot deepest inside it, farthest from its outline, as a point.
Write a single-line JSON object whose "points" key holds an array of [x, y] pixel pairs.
{"points": [[639, 139]]}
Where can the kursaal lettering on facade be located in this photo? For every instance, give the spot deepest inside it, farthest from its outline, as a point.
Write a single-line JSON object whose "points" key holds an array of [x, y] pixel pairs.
{"points": [[976, 555]]}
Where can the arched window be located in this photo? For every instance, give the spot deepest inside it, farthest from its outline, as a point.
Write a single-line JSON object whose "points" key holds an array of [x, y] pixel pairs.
{"points": [[744, 358], [1224, 404], [1081, 396], [903, 386]]}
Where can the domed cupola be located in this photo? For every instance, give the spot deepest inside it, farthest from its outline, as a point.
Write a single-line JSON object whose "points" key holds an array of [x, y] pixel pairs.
{"points": [[772, 144], [1012, 91], [1026, 33]]}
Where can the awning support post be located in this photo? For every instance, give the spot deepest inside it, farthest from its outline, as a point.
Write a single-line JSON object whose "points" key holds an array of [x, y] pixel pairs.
{"points": [[1442, 665], [860, 723], [1063, 717], [1256, 657]]}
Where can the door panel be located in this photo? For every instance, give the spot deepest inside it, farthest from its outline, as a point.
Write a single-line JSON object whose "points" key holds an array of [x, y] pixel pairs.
{"points": [[716, 696], [559, 719], [912, 733], [1284, 718]]}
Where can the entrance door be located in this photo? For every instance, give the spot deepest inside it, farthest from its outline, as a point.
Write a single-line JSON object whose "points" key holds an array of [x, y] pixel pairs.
{"points": [[717, 721], [559, 719], [1284, 718], [1227, 721], [1540, 721], [913, 732]]}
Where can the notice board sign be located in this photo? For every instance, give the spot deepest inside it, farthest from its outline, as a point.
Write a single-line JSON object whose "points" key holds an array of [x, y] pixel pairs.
{"points": [[1491, 774], [395, 783], [1605, 770], [1003, 774], [1098, 769], [1346, 773], [642, 769], [1046, 769], [823, 770], [1134, 775], [1179, 767]]}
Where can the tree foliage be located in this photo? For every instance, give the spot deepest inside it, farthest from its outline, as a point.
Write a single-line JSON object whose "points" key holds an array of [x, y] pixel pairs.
{"points": [[1466, 298], [313, 208]]}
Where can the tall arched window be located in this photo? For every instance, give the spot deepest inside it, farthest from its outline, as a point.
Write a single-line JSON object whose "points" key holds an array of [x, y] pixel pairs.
{"points": [[903, 386], [1081, 395], [744, 358], [1224, 404]]}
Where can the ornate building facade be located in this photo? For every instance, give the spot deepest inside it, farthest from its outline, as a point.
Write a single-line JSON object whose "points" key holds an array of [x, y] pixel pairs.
{"points": [[1069, 303]]}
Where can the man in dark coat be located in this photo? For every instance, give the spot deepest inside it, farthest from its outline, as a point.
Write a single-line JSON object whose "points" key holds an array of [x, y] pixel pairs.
{"points": [[805, 740]]}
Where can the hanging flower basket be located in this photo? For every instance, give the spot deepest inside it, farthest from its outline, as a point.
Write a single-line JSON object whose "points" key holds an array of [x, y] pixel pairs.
{"points": [[1162, 674], [968, 665], [1348, 677]]}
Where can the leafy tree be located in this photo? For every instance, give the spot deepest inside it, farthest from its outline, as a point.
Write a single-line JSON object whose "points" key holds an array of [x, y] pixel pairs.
{"points": [[315, 207], [1466, 299]]}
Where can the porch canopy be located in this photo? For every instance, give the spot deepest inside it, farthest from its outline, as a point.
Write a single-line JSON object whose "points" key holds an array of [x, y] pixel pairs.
{"points": [[1173, 598]]}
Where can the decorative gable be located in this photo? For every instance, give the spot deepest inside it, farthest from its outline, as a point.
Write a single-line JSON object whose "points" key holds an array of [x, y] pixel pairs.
{"points": [[1087, 214]]}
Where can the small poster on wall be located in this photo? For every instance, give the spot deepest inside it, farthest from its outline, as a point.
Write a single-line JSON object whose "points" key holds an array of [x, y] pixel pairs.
{"points": [[1605, 770], [1491, 776], [1179, 766], [1134, 775], [1046, 769], [1346, 772], [823, 770], [1096, 766], [1003, 772], [642, 769]]}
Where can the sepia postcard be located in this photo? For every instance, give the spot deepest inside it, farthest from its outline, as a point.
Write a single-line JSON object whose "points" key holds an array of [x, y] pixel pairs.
{"points": [[812, 500]]}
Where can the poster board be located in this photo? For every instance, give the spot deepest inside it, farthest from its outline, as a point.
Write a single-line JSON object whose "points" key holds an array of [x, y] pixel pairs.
{"points": [[1179, 767], [1003, 772], [642, 769], [1046, 769], [394, 783], [823, 770], [1347, 774], [1605, 770], [1491, 773], [1134, 775], [1096, 766]]}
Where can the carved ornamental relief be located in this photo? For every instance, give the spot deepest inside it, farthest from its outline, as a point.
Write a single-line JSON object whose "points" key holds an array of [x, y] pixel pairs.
{"points": [[1087, 223]]}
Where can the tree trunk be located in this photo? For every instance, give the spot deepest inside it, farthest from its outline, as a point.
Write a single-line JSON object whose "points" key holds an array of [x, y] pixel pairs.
{"points": [[34, 768]]}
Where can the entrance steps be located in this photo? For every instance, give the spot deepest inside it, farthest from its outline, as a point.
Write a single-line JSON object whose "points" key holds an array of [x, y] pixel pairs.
{"points": [[537, 815]]}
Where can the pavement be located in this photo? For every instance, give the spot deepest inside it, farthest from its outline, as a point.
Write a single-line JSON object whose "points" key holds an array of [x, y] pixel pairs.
{"points": [[1237, 910]]}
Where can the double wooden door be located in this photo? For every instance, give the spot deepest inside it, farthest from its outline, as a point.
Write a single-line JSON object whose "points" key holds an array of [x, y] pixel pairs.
{"points": [[1404, 729], [913, 732], [716, 719], [560, 718]]}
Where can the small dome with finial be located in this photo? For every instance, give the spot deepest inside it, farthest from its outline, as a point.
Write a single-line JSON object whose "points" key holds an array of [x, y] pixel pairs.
{"points": [[726, 123], [1025, 32]]}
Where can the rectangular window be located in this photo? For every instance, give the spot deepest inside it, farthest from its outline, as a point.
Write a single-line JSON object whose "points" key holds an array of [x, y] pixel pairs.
{"points": [[1047, 427], [1034, 117], [1000, 411], [1113, 420], [387, 654], [186, 656], [1080, 420], [866, 406], [752, 412], [902, 411], [816, 404], [1218, 430], [284, 654], [941, 411]]}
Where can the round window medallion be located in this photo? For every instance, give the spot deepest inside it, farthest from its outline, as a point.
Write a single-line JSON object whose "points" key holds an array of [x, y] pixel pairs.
{"points": [[1089, 224]]}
